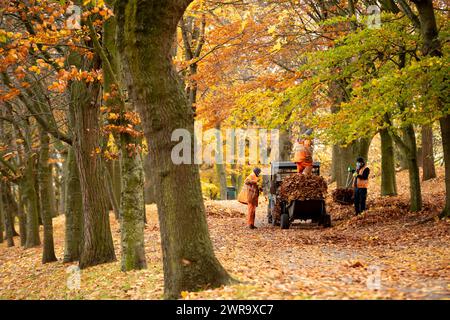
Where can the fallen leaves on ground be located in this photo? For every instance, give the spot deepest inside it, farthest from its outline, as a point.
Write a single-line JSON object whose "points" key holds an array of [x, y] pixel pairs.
{"points": [[408, 251]]}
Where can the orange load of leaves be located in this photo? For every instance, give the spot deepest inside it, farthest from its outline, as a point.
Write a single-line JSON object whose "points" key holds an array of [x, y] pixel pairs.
{"points": [[303, 187]]}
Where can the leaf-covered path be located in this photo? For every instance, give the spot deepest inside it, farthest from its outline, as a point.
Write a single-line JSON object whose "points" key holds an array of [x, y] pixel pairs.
{"points": [[408, 251]]}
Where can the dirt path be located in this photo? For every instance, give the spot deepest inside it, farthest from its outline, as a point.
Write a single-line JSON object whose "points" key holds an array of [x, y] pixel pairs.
{"points": [[341, 262]]}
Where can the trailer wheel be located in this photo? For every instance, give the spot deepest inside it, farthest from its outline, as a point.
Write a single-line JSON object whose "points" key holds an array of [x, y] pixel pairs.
{"points": [[284, 221], [326, 221]]}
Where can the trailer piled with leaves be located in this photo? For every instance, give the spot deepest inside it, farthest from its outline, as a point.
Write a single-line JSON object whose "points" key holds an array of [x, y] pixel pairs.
{"points": [[303, 187]]}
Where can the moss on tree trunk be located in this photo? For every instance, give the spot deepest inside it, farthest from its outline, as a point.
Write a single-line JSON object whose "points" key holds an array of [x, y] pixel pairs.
{"points": [[132, 210], [74, 210], [145, 33]]}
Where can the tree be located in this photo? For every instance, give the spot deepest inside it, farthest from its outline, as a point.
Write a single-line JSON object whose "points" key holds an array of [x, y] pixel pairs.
{"points": [[432, 47], [74, 210], [7, 217], [46, 189], [145, 35], [429, 171]]}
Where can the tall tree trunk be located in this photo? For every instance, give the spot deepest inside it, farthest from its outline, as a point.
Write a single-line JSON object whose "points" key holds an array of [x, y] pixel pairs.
{"points": [[10, 209], [2, 224], [429, 171], [98, 246], [74, 210], [84, 117], [128, 170], [7, 216], [149, 185], [62, 183], [221, 173], [401, 156], [388, 179], [413, 168], [445, 129], [45, 182], [110, 189], [32, 203], [145, 35], [220, 166], [432, 47], [117, 179], [22, 216], [132, 210]]}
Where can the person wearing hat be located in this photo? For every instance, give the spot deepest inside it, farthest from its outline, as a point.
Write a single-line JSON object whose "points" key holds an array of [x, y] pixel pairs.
{"points": [[361, 182], [303, 153], [252, 196]]}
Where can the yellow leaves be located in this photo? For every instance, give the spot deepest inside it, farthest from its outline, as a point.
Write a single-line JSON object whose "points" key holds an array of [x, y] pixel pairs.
{"points": [[113, 116], [272, 29], [277, 47], [184, 294], [35, 69]]}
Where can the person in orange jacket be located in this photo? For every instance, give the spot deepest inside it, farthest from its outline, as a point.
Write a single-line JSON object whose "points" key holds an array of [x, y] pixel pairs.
{"points": [[303, 154], [252, 196]]}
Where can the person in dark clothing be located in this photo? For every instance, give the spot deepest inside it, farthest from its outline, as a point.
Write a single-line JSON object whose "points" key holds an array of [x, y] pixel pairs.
{"points": [[361, 182]]}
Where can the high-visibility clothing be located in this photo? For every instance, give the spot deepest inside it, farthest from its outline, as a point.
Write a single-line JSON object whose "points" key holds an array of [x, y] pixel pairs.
{"points": [[304, 167], [302, 151], [360, 181], [252, 189], [251, 213]]}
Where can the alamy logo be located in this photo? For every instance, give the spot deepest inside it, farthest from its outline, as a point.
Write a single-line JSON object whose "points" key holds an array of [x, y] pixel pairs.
{"points": [[373, 17], [74, 278]]}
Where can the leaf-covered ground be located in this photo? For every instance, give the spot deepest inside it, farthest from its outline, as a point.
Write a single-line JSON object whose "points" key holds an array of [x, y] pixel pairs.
{"points": [[409, 251]]}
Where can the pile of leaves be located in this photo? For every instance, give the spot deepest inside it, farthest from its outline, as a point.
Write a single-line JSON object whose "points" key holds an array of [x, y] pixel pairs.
{"points": [[343, 195], [303, 187], [277, 209], [223, 212]]}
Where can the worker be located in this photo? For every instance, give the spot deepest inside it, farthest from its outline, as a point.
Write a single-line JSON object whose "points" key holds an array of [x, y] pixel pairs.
{"points": [[361, 182], [252, 196], [303, 153]]}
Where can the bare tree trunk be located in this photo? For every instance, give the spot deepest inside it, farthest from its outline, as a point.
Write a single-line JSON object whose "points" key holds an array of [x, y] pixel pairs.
{"points": [[74, 210], [432, 47], [145, 34], [22, 216], [414, 176], [132, 210], [32, 203], [429, 171], [149, 185], [388, 179], [98, 246], [7, 216], [45, 180]]}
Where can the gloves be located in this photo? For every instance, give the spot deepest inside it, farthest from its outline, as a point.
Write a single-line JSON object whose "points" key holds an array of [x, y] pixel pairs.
{"points": [[355, 175]]}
